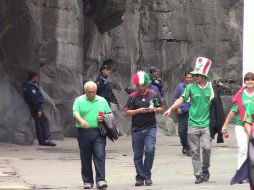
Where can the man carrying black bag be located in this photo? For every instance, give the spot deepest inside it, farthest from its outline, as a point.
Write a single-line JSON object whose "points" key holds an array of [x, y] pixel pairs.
{"points": [[108, 127], [86, 109]]}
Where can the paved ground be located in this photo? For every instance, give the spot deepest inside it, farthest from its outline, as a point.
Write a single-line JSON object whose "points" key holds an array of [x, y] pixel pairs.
{"points": [[36, 167]]}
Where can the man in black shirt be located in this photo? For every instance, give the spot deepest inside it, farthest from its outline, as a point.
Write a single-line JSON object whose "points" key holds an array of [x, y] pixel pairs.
{"points": [[142, 105]]}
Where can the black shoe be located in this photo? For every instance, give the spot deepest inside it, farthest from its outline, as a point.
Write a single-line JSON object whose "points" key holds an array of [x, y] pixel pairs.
{"points": [[184, 151], [48, 143], [199, 179], [188, 153], [139, 183], [148, 182], [206, 175]]}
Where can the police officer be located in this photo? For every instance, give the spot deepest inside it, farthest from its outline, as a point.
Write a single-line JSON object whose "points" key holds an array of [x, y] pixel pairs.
{"points": [[104, 84], [156, 80], [34, 98], [89, 7]]}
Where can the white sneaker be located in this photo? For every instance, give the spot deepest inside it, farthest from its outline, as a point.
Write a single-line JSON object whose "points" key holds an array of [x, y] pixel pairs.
{"points": [[101, 185], [88, 186]]}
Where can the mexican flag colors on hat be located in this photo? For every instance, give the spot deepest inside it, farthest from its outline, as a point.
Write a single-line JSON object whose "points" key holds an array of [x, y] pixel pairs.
{"points": [[141, 78], [202, 66]]}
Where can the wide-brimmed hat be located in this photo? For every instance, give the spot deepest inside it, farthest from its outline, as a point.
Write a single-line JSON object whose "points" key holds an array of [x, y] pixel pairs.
{"points": [[202, 66]]}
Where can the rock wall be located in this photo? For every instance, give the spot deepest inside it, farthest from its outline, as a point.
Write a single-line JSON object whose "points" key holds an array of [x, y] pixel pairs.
{"points": [[45, 36], [171, 34], [66, 47]]}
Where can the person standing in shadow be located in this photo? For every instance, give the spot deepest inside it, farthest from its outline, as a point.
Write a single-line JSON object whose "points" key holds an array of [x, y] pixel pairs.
{"points": [[34, 99]]}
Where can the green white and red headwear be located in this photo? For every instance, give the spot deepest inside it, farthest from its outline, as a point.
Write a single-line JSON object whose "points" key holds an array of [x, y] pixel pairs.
{"points": [[141, 78], [202, 66]]}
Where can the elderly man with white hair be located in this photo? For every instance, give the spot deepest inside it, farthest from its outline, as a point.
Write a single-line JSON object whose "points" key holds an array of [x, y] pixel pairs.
{"points": [[86, 109]]}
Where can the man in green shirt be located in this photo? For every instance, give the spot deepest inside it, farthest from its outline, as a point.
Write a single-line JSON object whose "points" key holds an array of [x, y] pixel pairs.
{"points": [[249, 117], [200, 94], [92, 144], [248, 125]]}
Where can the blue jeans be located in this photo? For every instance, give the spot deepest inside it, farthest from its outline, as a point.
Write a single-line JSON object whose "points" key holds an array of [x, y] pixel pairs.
{"points": [[144, 142], [92, 148]]}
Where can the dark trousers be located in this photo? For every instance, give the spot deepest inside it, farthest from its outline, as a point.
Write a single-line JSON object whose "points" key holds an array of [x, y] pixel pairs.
{"points": [[251, 161], [41, 126], [144, 142], [183, 129], [92, 148]]}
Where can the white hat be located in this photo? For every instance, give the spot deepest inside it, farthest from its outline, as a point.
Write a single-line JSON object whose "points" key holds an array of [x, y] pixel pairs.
{"points": [[202, 66]]}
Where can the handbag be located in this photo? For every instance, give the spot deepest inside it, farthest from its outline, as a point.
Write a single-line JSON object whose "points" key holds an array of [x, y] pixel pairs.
{"points": [[109, 128]]}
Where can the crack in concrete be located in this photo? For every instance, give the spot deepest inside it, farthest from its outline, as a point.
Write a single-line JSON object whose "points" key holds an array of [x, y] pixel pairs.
{"points": [[10, 180]]}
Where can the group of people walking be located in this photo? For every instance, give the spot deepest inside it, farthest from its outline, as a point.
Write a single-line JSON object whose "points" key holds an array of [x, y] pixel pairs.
{"points": [[191, 102], [142, 105]]}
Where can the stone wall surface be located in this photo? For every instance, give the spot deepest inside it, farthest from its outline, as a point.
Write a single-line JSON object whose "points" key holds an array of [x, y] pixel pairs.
{"points": [[66, 46]]}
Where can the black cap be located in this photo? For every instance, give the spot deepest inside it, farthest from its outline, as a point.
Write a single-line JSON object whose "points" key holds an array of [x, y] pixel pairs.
{"points": [[106, 65], [152, 69], [32, 74]]}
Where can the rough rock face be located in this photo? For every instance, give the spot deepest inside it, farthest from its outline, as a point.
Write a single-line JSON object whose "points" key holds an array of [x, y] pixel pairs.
{"points": [[45, 36], [171, 34], [66, 47], [18, 51]]}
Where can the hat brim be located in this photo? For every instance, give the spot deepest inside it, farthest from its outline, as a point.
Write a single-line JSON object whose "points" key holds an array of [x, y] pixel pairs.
{"points": [[197, 73], [151, 71]]}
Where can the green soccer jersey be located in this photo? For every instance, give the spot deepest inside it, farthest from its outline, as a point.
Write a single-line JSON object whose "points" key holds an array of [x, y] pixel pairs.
{"points": [[200, 104], [245, 101], [89, 110], [249, 113]]}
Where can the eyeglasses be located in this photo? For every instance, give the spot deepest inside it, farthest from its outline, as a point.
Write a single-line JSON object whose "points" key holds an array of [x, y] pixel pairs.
{"points": [[196, 75]]}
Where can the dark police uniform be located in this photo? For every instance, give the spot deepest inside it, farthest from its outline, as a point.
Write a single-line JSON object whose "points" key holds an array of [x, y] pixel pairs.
{"points": [[35, 99], [158, 82], [104, 88]]}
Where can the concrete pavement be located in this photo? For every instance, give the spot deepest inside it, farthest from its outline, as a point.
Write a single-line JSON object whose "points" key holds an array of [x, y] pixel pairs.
{"points": [[37, 167]]}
